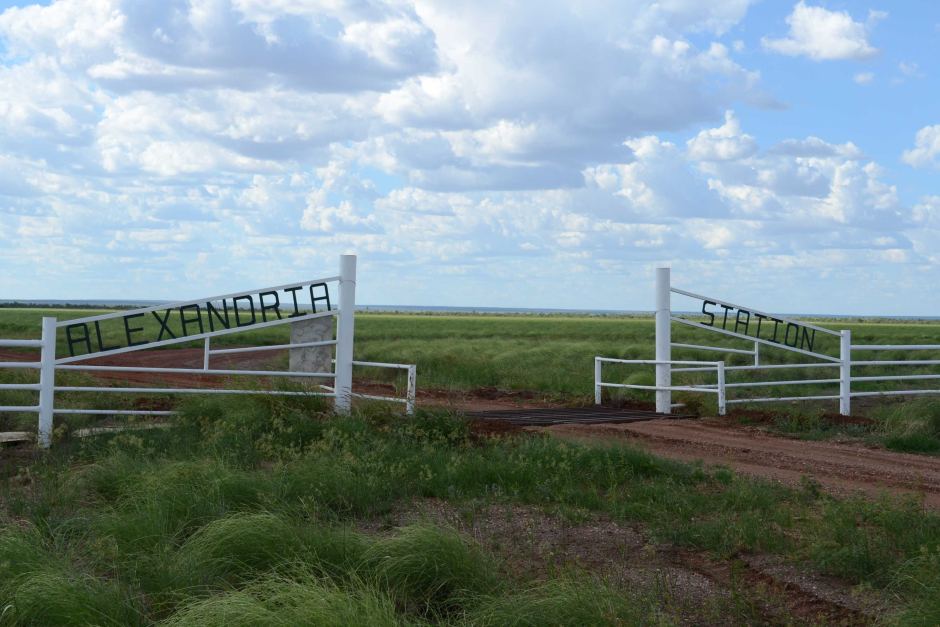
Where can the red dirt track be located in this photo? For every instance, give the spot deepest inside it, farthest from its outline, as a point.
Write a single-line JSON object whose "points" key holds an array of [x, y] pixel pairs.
{"points": [[840, 468], [172, 358]]}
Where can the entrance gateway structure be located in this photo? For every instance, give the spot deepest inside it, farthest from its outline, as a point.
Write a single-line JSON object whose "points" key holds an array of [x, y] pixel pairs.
{"points": [[827, 351], [201, 319]]}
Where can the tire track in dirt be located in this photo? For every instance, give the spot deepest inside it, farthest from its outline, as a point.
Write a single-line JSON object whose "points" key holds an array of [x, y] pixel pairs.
{"points": [[840, 468]]}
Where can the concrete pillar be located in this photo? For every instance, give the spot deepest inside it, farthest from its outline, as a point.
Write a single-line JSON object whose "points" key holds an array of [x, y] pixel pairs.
{"points": [[312, 358]]}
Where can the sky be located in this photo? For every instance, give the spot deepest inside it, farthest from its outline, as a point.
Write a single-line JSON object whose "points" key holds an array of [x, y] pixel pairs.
{"points": [[782, 155]]}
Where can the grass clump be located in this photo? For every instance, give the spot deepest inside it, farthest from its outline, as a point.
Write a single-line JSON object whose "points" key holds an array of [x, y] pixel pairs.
{"points": [[237, 547], [241, 546], [281, 601], [562, 603], [53, 597], [430, 570], [922, 579], [913, 426], [873, 542], [38, 586]]}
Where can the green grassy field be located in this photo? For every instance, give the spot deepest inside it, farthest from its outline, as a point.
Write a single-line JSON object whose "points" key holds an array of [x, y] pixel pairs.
{"points": [[260, 511], [266, 512], [553, 355]]}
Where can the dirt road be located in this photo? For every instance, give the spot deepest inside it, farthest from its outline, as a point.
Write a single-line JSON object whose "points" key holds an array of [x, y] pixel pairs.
{"points": [[840, 468]]}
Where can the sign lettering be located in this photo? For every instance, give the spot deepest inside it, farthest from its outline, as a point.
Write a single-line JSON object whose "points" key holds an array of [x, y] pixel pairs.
{"points": [[760, 326], [193, 319]]}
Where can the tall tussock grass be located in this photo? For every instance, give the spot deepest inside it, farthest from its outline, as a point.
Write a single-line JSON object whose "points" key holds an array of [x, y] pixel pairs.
{"points": [[281, 601], [246, 514], [38, 586], [561, 602], [430, 570], [911, 426]]}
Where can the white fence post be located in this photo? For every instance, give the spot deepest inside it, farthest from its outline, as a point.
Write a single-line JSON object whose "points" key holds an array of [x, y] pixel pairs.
{"points": [[411, 393], [345, 333], [47, 382], [756, 353], [845, 373], [597, 381], [721, 388], [205, 355], [663, 341]]}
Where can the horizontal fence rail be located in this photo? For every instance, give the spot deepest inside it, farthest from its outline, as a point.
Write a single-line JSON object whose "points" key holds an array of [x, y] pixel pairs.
{"points": [[410, 390], [717, 366], [845, 381]]}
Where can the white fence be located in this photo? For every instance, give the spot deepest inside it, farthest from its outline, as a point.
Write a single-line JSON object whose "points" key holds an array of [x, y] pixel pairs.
{"points": [[340, 377], [843, 364]]}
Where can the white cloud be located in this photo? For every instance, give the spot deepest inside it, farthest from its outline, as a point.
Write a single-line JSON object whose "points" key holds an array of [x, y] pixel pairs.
{"points": [[910, 69], [724, 143], [239, 140], [864, 78], [926, 150], [823, 35]]}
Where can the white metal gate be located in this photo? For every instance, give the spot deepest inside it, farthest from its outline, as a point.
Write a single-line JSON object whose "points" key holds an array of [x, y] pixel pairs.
{"points": [[209, 312], [803, 333]]}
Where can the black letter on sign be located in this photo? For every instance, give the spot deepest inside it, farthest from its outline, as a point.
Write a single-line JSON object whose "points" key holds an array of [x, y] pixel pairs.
{"points": [[184, 321], [128, 330], [776, 324], [711, 316], [293, 294], [724, 323], [808, 338], [238, 318], [101, 346], [760, 318], [796, 335], [210, 310], [275, 306], [737, 320], [164, 328], [315, 299], [76, 340]]}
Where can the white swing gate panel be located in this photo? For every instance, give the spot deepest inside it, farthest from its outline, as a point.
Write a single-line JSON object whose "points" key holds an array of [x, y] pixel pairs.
{"points": [[804, 334], [340, 377]]}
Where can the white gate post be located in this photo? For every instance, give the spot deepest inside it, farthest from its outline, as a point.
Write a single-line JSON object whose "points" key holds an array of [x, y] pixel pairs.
{"points": [[47, 382], [411, 392], [344, 333], [845, 373], [598, 396], [663, 341], [722, 406]]}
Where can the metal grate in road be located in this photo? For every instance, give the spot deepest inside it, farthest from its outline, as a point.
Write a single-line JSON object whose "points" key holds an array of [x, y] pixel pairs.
{"points": [[574, 415]]}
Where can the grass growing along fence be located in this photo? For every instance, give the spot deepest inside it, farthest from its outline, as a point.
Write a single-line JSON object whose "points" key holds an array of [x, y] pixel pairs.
{"points": [[249, 508], [553, 355]]}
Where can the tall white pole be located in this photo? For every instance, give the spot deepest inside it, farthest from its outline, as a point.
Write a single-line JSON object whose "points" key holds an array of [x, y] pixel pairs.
{"points": [[345, 332], [598, 390], [722, 405], [663, 341], [411, 392], [47, 382], [845, 373]]}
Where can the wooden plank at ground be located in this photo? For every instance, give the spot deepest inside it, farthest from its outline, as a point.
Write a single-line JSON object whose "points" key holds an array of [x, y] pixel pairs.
{"points": [[15, 436], [90, 431]]}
